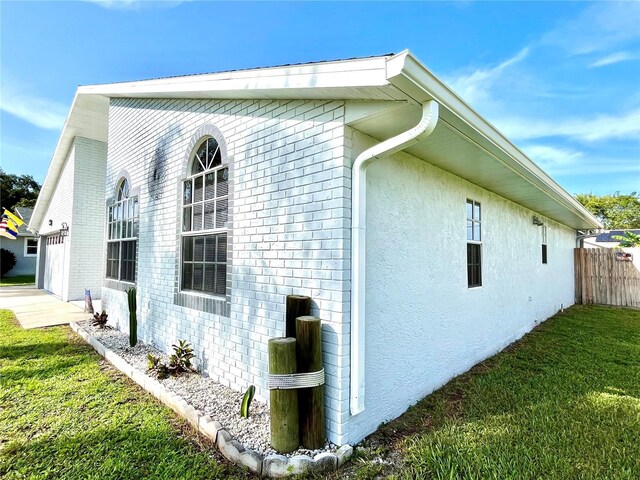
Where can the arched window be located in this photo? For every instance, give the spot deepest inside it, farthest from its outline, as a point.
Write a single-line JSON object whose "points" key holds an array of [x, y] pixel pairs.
{"points": [[123, 190], [204, 221], [122, 235]]}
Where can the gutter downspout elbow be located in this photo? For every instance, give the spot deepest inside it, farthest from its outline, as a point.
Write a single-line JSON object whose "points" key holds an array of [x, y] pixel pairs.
{"points": [[423, 129]]}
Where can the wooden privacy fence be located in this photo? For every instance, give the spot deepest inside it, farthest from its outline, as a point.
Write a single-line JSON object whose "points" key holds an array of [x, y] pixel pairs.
{"points": [[601, 278]]}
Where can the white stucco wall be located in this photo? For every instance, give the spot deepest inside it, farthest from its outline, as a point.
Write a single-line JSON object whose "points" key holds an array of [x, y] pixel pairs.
{"points": [[423, 324], [290, 231]]}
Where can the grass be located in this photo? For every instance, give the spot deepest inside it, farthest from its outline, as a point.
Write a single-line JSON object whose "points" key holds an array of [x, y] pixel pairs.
{"points": [[66, 414], [17, 281], [563, 403]]}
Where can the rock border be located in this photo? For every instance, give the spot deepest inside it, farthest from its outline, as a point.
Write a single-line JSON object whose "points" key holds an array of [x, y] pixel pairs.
{"points": [[274, 466]]}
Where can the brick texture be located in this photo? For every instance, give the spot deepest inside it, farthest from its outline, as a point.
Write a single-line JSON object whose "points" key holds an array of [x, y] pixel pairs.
{"points": [[289, 226], [78, 200]]}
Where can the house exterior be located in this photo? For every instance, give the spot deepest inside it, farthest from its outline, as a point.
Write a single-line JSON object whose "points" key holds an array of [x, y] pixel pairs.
{"points": [[606, 239], [24, 247], [366, 184]]}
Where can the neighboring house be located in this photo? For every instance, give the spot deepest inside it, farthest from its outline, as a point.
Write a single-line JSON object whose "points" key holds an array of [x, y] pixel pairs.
{"points": [[25, 247], [606, 239], [219, 194]]}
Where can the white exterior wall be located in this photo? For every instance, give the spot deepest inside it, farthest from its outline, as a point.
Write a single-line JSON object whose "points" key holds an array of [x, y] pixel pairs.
{"points": [[423, 324], [87, 229], [61, 204], [60, 210], [290, 231], [78, 200]]}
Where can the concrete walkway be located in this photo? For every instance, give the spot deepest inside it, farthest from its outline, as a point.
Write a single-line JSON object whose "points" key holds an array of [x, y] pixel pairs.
{"points": [[37, 308]]}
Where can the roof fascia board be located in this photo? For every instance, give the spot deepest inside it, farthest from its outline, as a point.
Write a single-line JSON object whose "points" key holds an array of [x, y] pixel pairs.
{"points": [[54, 171], [358, 73], [83, 119], [408, 74]]}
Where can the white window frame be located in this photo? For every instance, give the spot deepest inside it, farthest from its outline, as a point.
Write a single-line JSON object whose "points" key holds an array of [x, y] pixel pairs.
{"points": [[116, 223], [475, 238], [545, 248], [209, 232], [26, 247]]}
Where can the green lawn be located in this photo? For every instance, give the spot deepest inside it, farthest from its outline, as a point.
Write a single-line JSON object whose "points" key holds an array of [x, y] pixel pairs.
{"points": [[563, 403], [19, 280], [65, 414]]}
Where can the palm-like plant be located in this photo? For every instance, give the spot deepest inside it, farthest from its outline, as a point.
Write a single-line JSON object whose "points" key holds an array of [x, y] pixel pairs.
{"points": [[630, 239]]}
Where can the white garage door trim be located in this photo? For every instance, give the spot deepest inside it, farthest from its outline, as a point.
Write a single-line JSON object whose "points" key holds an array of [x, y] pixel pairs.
{"points": [[54, 264]]}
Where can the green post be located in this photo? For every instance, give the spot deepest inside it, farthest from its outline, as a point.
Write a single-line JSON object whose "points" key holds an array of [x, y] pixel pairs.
{"points": [[133, 319], [297, 306], [310, 400], [284, 403]]}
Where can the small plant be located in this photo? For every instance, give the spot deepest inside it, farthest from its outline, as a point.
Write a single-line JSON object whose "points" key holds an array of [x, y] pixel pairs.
{"points": [[179, 362], [152, 362], [100, 319], [246, 401], [133, 319]]}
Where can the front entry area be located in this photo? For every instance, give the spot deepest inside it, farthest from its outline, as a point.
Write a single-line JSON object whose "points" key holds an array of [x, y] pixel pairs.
{"points": [[54, 264]]}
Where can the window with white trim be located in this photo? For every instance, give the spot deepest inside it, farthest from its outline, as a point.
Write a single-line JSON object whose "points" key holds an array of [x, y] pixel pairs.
{"points": [[204, 222], [122, 235], [30, 247], [474, 244], [544, 244]]}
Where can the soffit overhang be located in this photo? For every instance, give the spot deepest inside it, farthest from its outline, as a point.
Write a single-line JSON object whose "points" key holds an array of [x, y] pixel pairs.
{"points": [[383, 97]]}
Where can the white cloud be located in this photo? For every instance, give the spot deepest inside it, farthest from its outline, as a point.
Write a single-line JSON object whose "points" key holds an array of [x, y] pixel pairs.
{"points": [[588, 129], [598, 28], [499, 91], [562, 161], [613, 58], [548, 155], [474, 87], [38, 111]]}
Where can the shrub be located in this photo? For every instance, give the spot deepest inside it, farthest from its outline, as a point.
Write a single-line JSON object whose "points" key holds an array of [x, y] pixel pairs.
{"points": [[179, 362], [100, 319], [7, 261], [181, 358]]}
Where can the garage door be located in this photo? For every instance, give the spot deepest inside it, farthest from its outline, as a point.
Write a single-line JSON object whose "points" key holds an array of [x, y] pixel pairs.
{"points": [[53, 264]]}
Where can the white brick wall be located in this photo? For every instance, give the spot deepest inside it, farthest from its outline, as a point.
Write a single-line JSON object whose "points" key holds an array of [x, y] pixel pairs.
{"points": [[61, 204], [60, 210], [78, 200], [87, 229], [290, 230]]}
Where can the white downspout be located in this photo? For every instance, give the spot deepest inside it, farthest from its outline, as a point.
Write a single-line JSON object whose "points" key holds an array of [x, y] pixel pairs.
{"points": [[358, 237]]}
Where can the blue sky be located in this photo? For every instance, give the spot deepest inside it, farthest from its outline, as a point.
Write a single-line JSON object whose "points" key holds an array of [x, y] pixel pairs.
{"points": [[560, 79]]}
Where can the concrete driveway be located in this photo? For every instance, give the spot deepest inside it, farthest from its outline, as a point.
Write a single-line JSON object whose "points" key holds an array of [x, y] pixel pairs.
{"points": [[37, 308]]}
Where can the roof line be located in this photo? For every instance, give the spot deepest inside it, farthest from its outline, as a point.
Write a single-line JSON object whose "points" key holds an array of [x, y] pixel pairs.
{"points": [[202, 74]]}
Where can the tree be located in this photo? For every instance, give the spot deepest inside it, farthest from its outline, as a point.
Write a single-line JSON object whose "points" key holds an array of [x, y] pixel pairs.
{"points": [[630, 239], [614, 211], [18, 190]]}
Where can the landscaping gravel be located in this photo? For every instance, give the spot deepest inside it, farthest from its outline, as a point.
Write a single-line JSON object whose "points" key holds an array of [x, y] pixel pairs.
{"points": [[219, 402]]}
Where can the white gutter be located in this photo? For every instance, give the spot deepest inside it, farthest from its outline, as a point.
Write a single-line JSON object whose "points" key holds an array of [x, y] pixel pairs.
{"points": [[358, 239]]}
